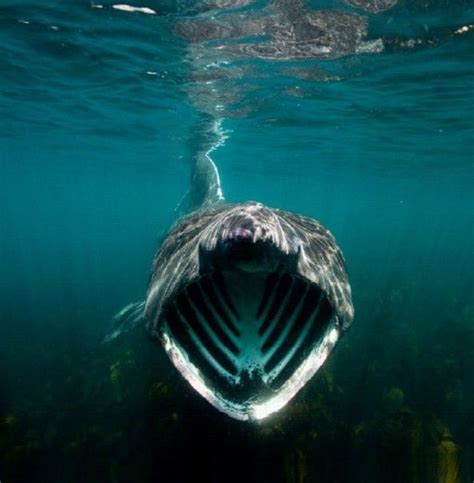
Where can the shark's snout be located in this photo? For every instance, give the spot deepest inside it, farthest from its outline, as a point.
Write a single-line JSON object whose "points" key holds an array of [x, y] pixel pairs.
{"points": [[250, 238], [242, 244], [243, 229]]}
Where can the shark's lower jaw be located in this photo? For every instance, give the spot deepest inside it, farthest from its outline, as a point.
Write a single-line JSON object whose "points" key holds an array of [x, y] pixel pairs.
{"points": [[248, 342]]}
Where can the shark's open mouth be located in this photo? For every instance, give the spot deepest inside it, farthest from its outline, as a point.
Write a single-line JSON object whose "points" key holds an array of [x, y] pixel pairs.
{"points": [[249, 341]]}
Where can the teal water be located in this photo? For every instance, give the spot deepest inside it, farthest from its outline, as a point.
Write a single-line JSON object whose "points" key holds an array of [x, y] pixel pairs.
{"points": [[102, 111]]}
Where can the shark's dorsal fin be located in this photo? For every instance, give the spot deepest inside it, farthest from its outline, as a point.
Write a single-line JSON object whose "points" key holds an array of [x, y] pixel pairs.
{"points": [[206, 187], [205, 183]]}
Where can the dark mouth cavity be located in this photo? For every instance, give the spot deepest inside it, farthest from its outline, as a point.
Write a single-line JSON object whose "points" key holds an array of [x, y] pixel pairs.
{"points": [[243, 249], [290, 319]]}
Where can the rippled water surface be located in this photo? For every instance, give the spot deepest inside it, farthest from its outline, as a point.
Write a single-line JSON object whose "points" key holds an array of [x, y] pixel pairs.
{"points": [[357, 113]]}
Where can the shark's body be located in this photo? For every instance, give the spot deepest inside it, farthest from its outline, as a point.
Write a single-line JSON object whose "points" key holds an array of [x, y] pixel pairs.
{"points": [[248, 301]]}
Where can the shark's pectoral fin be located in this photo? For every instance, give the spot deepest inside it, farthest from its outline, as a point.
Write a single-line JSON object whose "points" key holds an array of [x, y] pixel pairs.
{"points": [[129, 318]]}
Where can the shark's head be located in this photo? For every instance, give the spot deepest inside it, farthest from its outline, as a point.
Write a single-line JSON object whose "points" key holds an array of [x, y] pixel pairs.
{"points": [[251, 326]]}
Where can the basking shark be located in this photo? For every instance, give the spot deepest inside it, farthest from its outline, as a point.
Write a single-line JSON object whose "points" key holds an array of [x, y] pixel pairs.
{"points": [[248, 301]]}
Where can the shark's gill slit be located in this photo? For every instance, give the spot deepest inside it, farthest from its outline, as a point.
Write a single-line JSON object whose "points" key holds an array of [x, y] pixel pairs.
{"points": [[294, 339], [281, 292], [209, 320], [219, 282], [294, 296], [301, 326], [293, 327], [181, 333], [210, 292], [271, 281], [203, 341], [316, 328]]}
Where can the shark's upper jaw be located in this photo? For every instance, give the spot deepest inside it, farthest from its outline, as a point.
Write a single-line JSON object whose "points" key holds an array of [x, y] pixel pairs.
{"points": [[241, 251]]}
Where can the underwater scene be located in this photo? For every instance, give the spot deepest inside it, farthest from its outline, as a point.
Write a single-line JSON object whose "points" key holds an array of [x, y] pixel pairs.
{"points": [[253, 346]]}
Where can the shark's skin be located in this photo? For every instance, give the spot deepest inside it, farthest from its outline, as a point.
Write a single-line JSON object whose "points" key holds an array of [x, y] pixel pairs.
{"points": [[319, 259]]}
